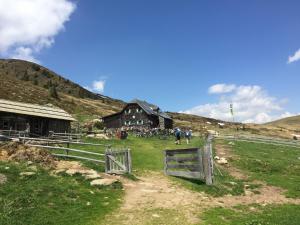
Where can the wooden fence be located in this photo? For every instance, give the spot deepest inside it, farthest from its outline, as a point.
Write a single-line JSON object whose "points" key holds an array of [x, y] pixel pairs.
{"points": [[65, 136], [261, 139], [115, 161], [13, 133], [193, 163]]}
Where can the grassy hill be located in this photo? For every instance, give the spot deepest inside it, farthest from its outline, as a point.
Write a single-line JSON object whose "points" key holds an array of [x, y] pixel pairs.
{"points": [[28, 82], [45, 78], [291, 123]]}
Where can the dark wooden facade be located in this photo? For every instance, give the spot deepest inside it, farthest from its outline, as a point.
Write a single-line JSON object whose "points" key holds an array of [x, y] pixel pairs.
{"points": [[139, 114], [37, 120], [37, 125]]}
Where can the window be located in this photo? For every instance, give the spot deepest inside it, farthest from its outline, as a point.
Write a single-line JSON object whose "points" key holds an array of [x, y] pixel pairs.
{"points": [[127, 111], [138, 110], [127, 123], [4, 124], [140, 122]]}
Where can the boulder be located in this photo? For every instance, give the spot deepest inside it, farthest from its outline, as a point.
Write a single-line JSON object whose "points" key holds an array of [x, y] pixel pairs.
{"points": [[222, 161], [103, 182], [217, 157], [27, 174], [92, 176]]}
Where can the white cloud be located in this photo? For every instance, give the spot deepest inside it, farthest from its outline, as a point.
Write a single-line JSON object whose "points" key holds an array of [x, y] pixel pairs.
{"points": [[294, 57], [221, 88], [97, 86], [28, 26], [251, 104], [24, 53]]}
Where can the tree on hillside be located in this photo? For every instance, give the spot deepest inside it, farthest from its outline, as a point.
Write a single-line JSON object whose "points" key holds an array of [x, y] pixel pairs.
{"points": [[48, 85], [53, 92]]}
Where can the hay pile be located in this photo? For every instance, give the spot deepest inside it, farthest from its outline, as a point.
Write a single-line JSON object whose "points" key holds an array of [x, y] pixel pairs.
{"points": [[15, 151]]}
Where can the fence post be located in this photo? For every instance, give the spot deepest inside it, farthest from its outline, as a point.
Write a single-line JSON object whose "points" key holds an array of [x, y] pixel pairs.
{"points": [[107, 164], [208, 163], [165, 162], [128, 161]]}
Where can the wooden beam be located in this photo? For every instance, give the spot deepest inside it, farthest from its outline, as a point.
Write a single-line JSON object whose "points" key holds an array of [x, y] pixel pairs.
{"points": [[78, 157]]}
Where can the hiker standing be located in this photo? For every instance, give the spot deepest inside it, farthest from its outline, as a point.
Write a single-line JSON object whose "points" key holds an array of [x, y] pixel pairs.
{"points": [[188, 136], [177, 136]]}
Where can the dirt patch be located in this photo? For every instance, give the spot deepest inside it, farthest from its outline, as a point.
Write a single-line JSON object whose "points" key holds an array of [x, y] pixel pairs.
{"points": [[155, 199], [267, 195], [17, 152], [74, 167], [226, 152]]}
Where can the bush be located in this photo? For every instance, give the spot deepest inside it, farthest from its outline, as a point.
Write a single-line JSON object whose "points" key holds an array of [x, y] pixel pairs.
{"points": [[99, 125]]}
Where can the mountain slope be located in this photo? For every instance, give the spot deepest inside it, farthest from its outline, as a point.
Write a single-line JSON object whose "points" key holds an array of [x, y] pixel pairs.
{"points": [[23, 81], [292, 123], [45, 78]]}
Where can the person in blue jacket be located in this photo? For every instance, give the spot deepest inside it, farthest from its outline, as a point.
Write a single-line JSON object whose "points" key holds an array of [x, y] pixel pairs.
{"points": [[177, 136]]}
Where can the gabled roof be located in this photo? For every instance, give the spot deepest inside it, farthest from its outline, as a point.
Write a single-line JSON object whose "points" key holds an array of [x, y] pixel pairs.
{"points": [[150, 109], [34, 110]]}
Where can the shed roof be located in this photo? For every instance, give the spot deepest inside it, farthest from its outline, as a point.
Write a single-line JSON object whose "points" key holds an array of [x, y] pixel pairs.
{"points": [[34, 110], [150, 108]]}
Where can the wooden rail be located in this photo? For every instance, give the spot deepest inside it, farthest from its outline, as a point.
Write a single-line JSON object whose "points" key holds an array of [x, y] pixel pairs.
{"points": [[115, 161], [263, 140], [66, 149], [47, 140], [78, 157]]}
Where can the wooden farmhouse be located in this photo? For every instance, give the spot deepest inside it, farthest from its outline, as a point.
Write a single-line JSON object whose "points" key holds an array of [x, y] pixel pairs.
{"points": [[139, 114], [37, 119]]}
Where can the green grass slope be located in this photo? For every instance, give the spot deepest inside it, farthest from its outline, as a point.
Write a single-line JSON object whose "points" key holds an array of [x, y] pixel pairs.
{"points": [[44, 199]]}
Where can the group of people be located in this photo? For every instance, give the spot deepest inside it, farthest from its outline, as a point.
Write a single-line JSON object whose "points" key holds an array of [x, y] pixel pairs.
{"points": [[187, 134]]}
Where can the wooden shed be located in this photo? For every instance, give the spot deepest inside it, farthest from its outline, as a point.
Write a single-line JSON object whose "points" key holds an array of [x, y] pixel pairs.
{"points": [[38, 120]]}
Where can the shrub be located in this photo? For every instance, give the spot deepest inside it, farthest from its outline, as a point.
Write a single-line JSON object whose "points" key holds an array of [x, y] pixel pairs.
{"points": [[99, 125]]}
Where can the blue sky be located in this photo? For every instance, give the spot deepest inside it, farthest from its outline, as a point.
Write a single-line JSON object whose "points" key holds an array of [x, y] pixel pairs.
{"points": [[171, 52]]}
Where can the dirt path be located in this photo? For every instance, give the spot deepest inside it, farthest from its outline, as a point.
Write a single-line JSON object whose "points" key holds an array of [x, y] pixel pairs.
{"points": [[155, 199]]}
